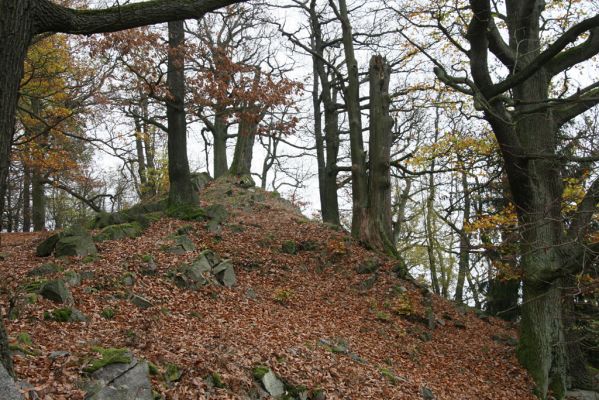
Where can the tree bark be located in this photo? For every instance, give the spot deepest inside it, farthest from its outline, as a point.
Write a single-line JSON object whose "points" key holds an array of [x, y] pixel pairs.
{"points": [[26, 198], [464, 252], [220, 144], [242, 159], [379, 234], [327, 147], [181, 190], [358, 156]]}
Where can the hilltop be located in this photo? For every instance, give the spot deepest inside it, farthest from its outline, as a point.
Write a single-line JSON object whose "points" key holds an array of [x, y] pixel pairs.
{"points": [[328, 317]]}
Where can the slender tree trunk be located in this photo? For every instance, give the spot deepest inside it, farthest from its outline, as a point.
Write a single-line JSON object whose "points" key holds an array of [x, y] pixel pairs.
{"points": [[464, 252], [352, 101], [38, 194], [141, 161], [26, 198], [181, 190], [327, 147], [220, 144]]}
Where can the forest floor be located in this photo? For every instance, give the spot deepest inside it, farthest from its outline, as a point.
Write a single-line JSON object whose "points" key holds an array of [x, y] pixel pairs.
{"points": [[309, 316]]}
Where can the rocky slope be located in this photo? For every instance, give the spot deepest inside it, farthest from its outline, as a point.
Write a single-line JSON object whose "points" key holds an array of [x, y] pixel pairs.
{"points": [[309, 307]]}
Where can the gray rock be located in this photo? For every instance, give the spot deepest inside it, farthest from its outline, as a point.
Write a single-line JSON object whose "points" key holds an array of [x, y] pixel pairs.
{"points": [[58, 354], [121, 231], [272, 384], [57, 292], [149, 268], [8, 388], [77, 316], [225, 274], [582, 395], [426, 393], [182, 245], [251, 294], [200, 180], [46, 248], [128, 279], [210, 256], [45, 269], [217, 213], [80, 245], [121, 382], [72, 278], [141, 301]]}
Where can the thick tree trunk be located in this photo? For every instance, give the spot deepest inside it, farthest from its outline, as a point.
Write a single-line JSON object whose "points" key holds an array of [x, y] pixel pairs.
{"points": [[181, 190], [578, 373], [379, 234], [242, 159], [220, 144], [38, 197], [542, 343]]}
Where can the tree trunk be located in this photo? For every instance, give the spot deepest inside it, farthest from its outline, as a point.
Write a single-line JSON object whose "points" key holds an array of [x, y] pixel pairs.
{"points": [[38, 195], [358, 157], [464, 252], [541, 349], [379, 234], [181, 190], [242, 159], [141, 160], [220, 144], [578, 372], [327, 147], [26, 198]]}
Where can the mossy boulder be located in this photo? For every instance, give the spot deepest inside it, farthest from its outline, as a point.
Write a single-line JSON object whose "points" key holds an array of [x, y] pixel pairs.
{"points": [[199, 180], [67, 314], [217, 213], [46, 248], [56, 291], [107, 356], [182, 245], [187, 212], [121, 231], [172, 373], [75, 242], [44, 269]]}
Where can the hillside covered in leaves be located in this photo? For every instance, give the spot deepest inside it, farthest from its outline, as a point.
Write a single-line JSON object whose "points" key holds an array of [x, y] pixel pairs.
{"points": [[330, 319]]}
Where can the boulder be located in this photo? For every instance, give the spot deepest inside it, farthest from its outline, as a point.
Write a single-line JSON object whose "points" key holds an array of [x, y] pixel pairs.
{"points": [[45, 269], [72, 278], [217, 213], [56, 291], [8, 388], [225, 274], [122, 231], [200, 180], [140, 301], [582, 395], [182, 245], [121, 381], [79, 244], [46, 248], [273, 385]]}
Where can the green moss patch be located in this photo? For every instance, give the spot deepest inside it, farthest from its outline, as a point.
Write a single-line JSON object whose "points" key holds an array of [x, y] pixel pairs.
{"points": [[108, 356]]}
